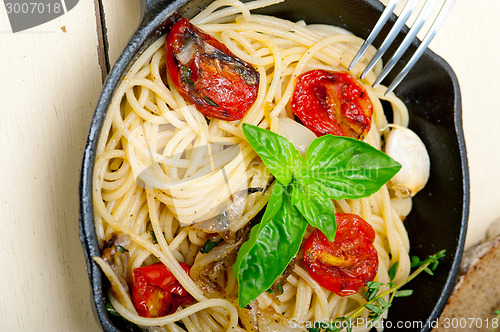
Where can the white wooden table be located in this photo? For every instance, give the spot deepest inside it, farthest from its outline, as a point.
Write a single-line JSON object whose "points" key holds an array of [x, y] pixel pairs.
{"points": [[50, 82]]}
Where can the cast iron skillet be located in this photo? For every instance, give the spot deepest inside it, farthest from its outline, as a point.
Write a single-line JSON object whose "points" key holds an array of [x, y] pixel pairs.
{"points": [[431, 92]]}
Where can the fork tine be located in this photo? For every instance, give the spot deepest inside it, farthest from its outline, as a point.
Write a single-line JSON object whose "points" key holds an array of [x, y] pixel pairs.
{"points": [[376, 29], [400, 22], [443, 13], [417, 25]]}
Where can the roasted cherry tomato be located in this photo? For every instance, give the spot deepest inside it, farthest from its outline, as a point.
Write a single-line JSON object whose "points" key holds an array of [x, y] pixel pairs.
{"points": [[347, 263], [156, 292], [220, 84], [332, 103]]}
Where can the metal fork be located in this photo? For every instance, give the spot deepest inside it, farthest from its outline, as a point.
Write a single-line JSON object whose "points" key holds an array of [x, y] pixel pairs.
{"points": [[422, 17]]}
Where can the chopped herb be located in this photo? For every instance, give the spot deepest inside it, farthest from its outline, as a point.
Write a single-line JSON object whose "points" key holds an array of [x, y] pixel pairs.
{"points": [[153, 237], [186, 73], [121, 249], [210, 101], [279, 287], [209, 245], [254, 190], [270, 290], [112, 311]]}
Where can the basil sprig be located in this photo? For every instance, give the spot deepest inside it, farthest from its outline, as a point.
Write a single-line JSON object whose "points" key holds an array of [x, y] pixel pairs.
{"points": [[334, 167]]}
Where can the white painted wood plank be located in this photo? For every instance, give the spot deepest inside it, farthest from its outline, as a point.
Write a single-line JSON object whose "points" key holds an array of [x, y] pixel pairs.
{"points": [[468, 41], [122, 19], [49, 87]]}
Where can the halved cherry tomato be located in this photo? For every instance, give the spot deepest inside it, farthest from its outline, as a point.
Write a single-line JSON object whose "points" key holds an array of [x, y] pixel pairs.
{"points": [[156, 292], [347, 263], [330, 102], [205, 72]]}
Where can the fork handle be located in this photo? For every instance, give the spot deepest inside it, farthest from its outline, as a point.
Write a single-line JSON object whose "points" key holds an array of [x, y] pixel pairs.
{"points": [[374, 33], [441, 17]]}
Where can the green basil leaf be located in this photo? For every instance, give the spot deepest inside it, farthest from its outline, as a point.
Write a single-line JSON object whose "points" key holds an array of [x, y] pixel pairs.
{"points": [[270, 248], [343, 167], [273, 207], [275, 201], [277, 153], [318, 209]]}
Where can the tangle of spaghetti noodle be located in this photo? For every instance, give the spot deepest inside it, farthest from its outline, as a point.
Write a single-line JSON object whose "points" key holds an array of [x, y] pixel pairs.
{"points": [[161, 165]]}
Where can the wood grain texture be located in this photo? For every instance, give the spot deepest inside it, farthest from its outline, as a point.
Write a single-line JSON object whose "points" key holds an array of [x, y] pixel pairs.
{"points": [[50, 84], [122, 19], [479, 310], [469, 43]]}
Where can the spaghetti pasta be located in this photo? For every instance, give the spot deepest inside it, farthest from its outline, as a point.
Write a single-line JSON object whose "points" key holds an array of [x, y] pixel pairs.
{"points": [[162, 169]]}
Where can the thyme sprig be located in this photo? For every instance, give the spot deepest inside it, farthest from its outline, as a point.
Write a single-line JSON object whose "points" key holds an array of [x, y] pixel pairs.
{"points": [[376, 304]]}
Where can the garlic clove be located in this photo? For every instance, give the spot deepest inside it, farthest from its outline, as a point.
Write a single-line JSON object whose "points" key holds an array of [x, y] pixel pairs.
{"points": [[404, 146], [300, 136]]}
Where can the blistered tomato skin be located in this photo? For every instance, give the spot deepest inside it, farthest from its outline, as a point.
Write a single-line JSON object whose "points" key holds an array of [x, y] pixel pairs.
{"points": [[330, 102], [346, 264], [205, 72], [156, 292]]}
